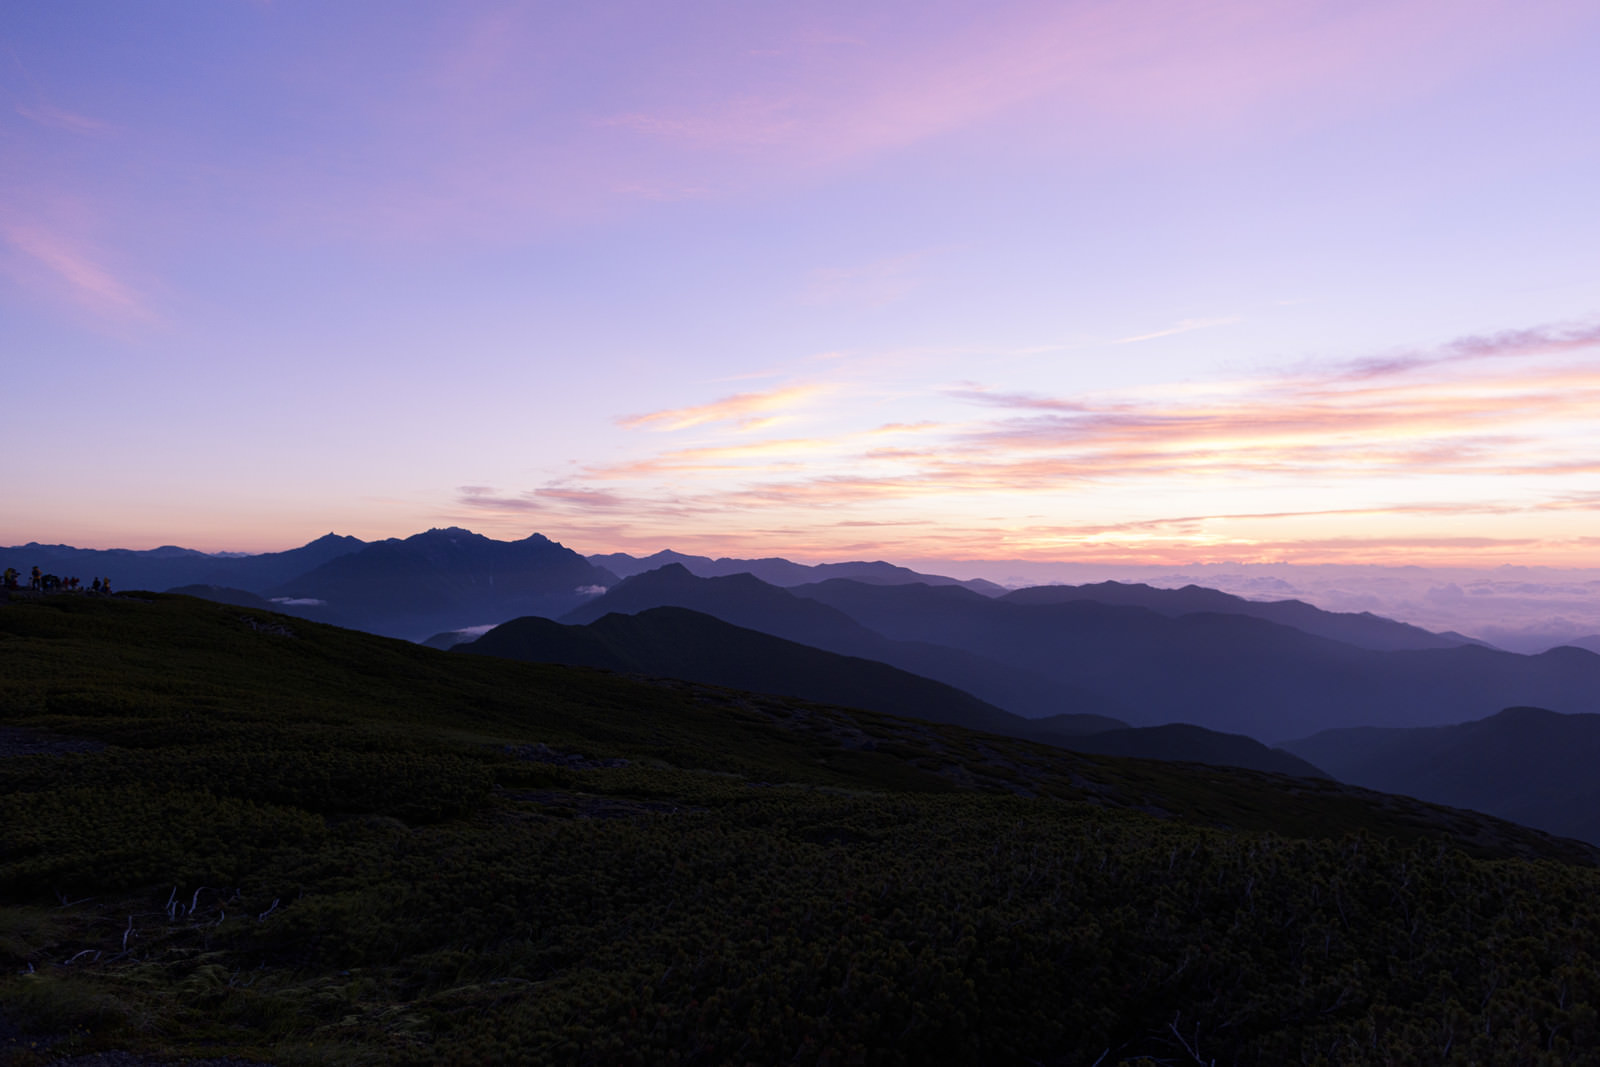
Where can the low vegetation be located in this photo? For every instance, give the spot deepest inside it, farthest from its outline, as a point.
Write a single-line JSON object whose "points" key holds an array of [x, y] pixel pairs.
{"points": [[233, 833]]}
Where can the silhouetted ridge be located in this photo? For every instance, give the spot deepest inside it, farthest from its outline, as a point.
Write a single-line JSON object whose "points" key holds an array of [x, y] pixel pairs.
{"points": [[744, 600], [1195, 744], [785, 573], [224, 595], [169, 566], [1234, 673], [680, 643]]}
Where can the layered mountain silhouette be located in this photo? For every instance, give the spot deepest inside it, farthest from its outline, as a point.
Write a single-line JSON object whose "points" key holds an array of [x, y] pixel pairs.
{"points": [[1226, 672], [1529, 765], [745, 600], [784, 573], [680, 643], [401, 587], [1090, 658]]}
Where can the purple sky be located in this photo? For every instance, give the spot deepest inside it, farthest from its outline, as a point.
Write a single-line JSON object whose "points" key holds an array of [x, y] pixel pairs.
{"points": [[1123, 282]]}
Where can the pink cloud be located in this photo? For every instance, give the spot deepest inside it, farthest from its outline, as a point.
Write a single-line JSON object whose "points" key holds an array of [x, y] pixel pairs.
{"points": [[477, 136], [1107, 68], [74, 269], [550, 498], [59, 119], [1514, 432]]}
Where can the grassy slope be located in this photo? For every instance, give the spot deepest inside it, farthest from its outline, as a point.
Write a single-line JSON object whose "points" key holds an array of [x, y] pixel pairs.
{"points": [[316, 845]]}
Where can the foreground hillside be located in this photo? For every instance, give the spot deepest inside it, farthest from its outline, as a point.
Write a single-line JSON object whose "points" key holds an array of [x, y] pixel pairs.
{"points": [[230, 833]]}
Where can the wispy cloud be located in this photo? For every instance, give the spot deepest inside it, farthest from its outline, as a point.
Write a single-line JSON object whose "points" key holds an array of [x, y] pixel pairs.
{"points": [[467, 135], [763, 456], [1507, 344], [1124, 67], [550, 500], [57, 118], [745, 410], [1183, 326], [77, 269]]}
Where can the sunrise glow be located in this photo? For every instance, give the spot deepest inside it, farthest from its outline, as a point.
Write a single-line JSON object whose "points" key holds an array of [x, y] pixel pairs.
{"points": [[1139, 283]]}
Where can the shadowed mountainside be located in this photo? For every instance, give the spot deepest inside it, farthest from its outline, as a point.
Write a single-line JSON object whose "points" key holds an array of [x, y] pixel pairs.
{"points": [[675, 642], [1196, 744], [1529, 765], [679, 643], [1229, 673], [1232, 673], [744, 600]]}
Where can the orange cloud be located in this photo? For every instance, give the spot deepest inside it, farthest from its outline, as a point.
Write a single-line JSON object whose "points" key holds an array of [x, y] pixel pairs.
{"points": [[1498, 423]]}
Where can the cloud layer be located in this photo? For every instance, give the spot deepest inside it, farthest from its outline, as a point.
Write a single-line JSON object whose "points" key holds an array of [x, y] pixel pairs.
{"points": [[1382, 455]]}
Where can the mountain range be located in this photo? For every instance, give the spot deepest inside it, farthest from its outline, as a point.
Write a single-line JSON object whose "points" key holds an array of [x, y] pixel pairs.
{"points": [[784, 573], [169, 566], [444, 579], [400, 587], [1227, 672], [1187, 673]]}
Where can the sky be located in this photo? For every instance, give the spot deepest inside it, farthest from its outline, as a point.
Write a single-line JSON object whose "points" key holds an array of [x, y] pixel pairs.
{"points": [[1131, 283]]}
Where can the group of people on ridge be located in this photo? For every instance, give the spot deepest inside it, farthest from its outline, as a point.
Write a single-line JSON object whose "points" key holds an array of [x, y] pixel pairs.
{"points": [[50, 583]]}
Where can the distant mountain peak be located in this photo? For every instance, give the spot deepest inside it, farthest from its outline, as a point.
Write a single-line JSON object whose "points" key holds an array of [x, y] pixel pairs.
{"points": [[1525, 713], [665, 572], [447, 531]]}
